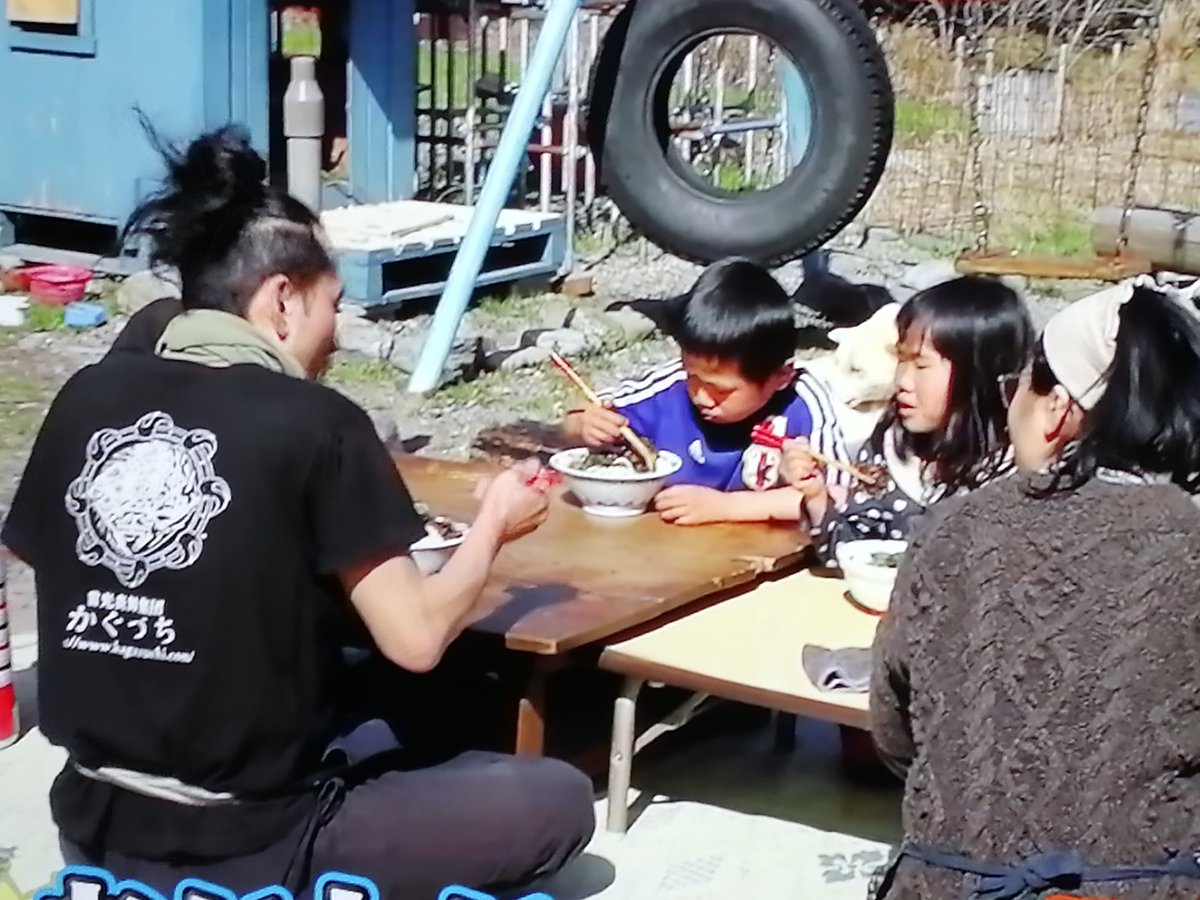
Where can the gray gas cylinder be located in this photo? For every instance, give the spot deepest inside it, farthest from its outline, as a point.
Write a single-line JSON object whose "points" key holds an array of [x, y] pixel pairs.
{"points": [[1170, 239], [304, 126]]}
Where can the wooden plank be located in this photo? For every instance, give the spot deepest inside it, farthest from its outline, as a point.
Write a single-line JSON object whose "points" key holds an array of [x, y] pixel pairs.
{"points": [[578, 580], [44, 12], [1098, 268], [748, 648]]}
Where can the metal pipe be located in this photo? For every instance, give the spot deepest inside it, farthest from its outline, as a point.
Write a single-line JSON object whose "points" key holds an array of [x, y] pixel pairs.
{"points": [[692, 132], [496, 185], [589, 163], [303, 127], [473, 24], [545, 164], [571, 141], [752, 86]]}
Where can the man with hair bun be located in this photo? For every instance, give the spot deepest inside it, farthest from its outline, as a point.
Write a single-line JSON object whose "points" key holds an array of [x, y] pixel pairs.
{"points": [[201, 518]]}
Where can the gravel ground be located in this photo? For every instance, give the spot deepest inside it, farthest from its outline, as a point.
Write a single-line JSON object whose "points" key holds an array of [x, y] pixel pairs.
{"points": [[34, 365]]}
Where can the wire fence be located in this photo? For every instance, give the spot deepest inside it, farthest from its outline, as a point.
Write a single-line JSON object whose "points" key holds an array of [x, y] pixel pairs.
{"points": [[1048, 106]]}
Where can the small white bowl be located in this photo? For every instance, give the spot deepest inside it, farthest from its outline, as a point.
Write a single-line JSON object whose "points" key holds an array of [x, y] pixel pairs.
{"points": [[869, 585], [613, 493], [431, 552]]}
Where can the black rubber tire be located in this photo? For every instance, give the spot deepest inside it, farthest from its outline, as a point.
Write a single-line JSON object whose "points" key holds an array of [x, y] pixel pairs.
{"points": [[834, 48]]}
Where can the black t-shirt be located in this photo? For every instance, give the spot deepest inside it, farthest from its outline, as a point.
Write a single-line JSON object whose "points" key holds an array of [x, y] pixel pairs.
{"points": [[185, 525], [144, 328]]}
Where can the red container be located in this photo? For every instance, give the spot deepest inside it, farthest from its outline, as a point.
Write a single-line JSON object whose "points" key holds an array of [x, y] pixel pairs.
{"points": [[57, 284]]}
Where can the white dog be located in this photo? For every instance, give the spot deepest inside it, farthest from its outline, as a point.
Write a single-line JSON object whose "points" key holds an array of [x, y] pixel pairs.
{"points": [[859, 373]]}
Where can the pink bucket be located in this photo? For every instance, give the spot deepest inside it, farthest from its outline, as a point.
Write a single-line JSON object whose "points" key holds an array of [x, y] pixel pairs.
{"points": [[57, 284]]}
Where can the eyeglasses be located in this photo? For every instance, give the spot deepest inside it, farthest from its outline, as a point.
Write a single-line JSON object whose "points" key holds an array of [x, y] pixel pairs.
{"points": [[1008, 387]]}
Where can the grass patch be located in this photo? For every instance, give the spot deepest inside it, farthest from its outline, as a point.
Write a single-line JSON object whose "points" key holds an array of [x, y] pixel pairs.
{"points": [[589, 242], [920, 120], [1051, 235], [42, 317], [23, 402], [358, 372], [447, 71], [528, 394]]}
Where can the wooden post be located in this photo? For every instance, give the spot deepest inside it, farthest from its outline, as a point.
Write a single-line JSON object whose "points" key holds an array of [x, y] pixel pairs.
{"points": [[1060, 93]]}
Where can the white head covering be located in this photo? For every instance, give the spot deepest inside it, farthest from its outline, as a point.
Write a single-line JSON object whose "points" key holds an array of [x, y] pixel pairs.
{"points": [[1081, 341]]}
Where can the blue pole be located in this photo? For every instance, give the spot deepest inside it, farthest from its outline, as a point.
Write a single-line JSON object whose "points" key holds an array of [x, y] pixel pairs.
{"points": [[496, 187]]}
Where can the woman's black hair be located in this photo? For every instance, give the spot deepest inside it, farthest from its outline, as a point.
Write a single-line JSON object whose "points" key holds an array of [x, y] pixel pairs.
{"points": [[1147, 421], [218, 222], [737, 311], [983, 328]]}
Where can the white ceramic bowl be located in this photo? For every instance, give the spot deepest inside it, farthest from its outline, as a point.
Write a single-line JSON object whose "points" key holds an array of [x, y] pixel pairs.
{"points": [[869, 585], [431, 552], [613, 493]]}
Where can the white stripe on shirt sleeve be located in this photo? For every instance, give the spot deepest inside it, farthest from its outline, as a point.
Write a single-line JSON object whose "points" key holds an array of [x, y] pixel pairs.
{"points": [[827, 437], [640, 389]]}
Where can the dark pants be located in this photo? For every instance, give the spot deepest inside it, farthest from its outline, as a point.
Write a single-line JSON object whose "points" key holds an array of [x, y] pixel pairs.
{"points": [[482, 820]]}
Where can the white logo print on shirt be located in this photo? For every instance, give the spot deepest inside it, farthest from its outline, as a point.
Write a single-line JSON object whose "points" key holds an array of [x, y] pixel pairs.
{"points": [[145, 497]]}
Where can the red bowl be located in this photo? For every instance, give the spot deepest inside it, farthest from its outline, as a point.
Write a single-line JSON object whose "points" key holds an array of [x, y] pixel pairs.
{"points": [[57, 284]]}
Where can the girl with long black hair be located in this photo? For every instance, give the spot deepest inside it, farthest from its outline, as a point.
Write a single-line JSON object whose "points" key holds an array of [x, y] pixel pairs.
{"points": [[944, 432]]}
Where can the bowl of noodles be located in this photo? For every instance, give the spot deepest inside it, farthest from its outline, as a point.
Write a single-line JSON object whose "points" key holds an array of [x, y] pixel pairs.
{"points": [[869, 567], [613, 482], [442, 537]]}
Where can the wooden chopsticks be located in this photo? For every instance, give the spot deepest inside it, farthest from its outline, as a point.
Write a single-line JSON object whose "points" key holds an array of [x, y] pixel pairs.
{"points": [[628, 434]]}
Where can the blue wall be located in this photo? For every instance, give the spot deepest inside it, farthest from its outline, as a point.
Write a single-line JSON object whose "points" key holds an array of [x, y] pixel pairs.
{"points": [[70, 144], [383, 100]]}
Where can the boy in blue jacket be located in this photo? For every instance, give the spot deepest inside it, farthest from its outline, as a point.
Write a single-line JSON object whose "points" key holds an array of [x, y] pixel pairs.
{"points": [[726, 404]]}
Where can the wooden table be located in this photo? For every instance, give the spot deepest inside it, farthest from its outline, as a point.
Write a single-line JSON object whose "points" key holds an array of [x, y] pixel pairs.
{"points": [[747, 648], [579, 580]]}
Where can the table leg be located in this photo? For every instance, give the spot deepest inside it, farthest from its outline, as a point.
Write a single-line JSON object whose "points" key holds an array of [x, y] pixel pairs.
{"points": [[785, 732], [620, 762], [531, 710]]}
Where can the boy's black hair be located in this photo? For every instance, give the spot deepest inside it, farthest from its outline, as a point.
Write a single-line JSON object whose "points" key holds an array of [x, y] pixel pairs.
{"points": [[1148, 419], [983, 328], [737, 312]]}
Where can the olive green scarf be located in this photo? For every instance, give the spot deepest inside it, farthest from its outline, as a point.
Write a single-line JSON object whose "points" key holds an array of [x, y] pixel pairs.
{"points": [[209, 337]]}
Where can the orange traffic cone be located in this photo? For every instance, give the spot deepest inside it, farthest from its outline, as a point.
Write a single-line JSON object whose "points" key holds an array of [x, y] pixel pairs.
{"points": [[10, 727]]}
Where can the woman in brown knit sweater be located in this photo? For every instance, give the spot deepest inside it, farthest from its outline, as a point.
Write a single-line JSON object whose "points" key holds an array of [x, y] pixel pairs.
{"points": [[1036, 676]]}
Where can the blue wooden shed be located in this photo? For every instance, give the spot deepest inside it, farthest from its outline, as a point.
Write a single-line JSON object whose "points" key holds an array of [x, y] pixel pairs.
{"points": [[74, 161]]}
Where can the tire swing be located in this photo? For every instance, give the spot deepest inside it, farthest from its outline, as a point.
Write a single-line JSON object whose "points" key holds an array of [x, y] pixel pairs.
{"points": [[845, 75]]}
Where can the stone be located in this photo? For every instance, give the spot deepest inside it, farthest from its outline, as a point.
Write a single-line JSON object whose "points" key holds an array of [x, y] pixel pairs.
{"points": [[577, 286], [358, 334], [527, 358], [852, 237], [552, 312], [927, 274], [142, 288], [387, 429], [881, 235], [634, 325], [600, 329], [566, 341], [1018, 283], [466, 357]]}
